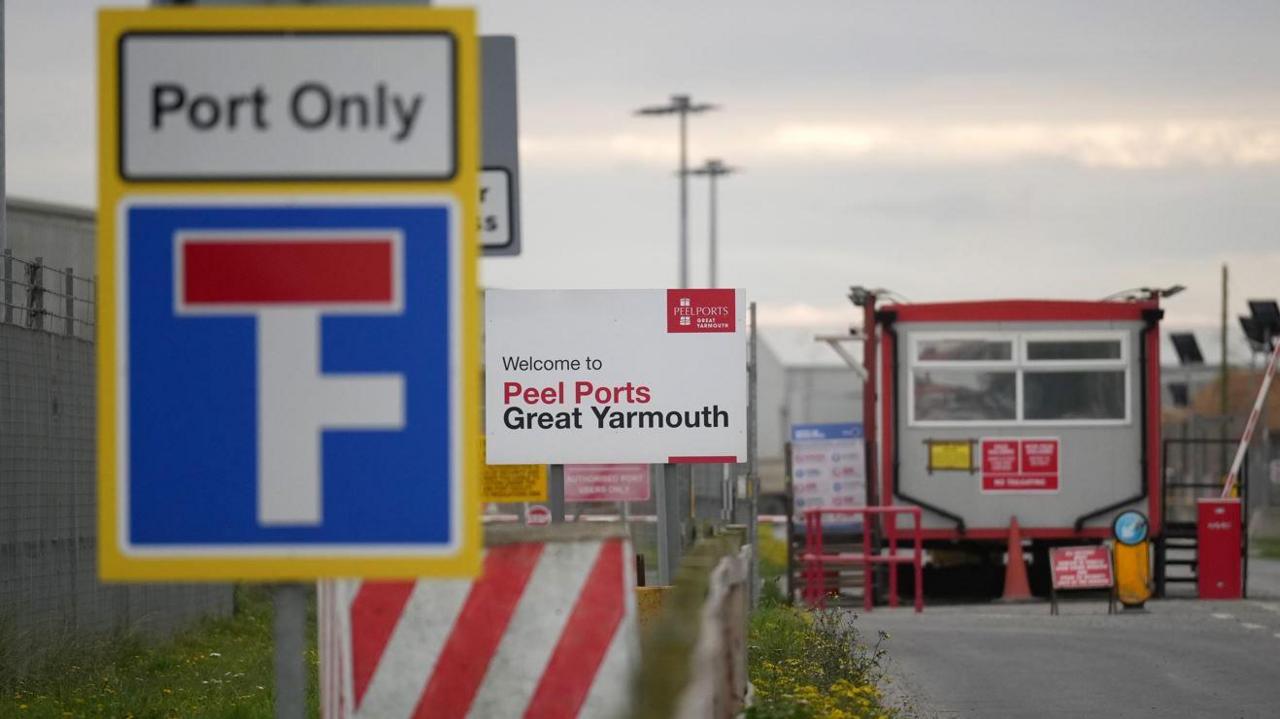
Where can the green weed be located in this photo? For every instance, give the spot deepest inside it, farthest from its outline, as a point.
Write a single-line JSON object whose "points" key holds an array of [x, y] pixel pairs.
{"points": [[811, 665], [221, 669]]}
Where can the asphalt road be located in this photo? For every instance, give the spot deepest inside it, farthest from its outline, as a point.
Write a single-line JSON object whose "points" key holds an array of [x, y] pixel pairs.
{"points": [[1180, 658]]}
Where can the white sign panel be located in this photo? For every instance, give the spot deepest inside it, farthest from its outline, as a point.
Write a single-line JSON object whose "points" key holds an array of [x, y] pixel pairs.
{"points": [[496, 218], [615, 376], [828, 468], [263, 106]]}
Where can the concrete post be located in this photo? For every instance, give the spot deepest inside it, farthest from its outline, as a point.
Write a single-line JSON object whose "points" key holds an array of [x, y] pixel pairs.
{"points": [[8, 286], [69, 301], [35, 294]]}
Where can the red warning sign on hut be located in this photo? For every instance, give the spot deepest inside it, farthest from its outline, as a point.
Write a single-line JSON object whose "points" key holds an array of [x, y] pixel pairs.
{"points": [[1020, 464]]}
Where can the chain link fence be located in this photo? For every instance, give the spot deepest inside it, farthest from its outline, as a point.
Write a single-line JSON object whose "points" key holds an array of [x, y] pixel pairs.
{"points": [[43, 298], [49, 588]]}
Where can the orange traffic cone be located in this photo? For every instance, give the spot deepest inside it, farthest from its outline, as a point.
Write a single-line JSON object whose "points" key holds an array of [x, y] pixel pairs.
{"points": [[1016, 587]]}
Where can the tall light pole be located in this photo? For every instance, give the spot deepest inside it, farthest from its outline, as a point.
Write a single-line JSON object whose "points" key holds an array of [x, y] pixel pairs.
{"points": [[683, 106], [712, 169]]}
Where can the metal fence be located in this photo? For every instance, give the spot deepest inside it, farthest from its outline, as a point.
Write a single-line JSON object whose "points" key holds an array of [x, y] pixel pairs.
{"points": [[1204, 447], [49, 589], [39, 297]]}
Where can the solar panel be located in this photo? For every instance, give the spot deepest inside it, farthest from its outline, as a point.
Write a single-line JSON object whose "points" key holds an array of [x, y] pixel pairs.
{"points": [[1187, 347], [1255, 331], [1267, 314]]}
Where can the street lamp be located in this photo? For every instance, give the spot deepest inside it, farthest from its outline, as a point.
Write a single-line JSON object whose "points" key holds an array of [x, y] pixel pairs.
{"points": [[713, 169], [683, 106]]}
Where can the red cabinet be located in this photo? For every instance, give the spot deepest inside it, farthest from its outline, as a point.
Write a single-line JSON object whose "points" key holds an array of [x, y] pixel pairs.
{"points": [[1220, 562]]}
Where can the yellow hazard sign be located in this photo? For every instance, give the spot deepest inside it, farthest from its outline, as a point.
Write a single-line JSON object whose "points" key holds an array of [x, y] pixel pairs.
{"points": [[950, 455], [513, 482]]}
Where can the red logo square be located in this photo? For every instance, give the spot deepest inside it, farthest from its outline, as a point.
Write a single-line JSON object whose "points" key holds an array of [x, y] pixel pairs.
{"points": [[701, 311]]}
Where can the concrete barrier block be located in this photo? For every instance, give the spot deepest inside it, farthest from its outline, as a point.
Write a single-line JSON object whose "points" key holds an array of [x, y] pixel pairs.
{"points": [[548, 629]]}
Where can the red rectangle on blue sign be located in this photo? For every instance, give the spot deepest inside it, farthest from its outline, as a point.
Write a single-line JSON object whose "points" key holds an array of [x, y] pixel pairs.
{"points": [[268, 270], [701, 311]]}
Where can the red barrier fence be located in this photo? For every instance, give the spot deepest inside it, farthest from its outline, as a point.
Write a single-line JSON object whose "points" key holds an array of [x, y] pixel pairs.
{"points": [[815, 559]]}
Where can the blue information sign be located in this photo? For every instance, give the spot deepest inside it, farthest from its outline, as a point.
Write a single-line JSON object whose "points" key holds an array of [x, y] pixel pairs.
{"points": [[828, 470], [1130, 527]]}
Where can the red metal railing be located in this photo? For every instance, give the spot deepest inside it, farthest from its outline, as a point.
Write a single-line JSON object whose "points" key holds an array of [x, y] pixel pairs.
{"points": [[815, 559]]}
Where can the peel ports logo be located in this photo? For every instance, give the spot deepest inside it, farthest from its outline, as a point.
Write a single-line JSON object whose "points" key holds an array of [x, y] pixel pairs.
{"points": [[701, 311]]}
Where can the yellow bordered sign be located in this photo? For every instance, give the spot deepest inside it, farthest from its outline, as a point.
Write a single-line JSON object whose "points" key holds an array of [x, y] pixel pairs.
{"points": [[513, 482], [950, 455], [287, 310]]}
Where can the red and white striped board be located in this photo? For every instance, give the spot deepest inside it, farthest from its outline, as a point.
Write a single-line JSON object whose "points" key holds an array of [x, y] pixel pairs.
{"points": [[547, 630]]}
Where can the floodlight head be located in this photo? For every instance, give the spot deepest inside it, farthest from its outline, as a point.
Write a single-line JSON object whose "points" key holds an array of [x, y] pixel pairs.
{"points": [[655, 110], [1144, 293], [713, 167], [1187, 347], [680, 104], [860, 296]]}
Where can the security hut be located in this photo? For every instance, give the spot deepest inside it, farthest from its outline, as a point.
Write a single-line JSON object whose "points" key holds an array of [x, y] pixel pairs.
{"points": [[1008, 420]]}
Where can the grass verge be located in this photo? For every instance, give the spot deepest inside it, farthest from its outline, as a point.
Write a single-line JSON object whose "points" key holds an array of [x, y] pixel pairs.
{"points": [[807, 665], [1266, 547], [773, 565], [221, 668]]}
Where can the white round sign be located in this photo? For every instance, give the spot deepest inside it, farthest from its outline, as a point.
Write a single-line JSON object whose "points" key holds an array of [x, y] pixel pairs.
{"points": [[537, 516]]}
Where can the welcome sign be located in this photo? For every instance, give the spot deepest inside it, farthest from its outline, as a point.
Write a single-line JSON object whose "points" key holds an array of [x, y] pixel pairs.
{"points": [[615, 376]]}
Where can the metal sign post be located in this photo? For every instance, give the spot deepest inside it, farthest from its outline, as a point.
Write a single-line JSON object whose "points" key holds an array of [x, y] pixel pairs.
{"points": [[289, 630], [667, 496], [753, 450], [555, 493]]}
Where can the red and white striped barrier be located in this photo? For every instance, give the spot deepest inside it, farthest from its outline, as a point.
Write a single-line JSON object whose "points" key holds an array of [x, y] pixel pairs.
{"points": [[547, 630]]}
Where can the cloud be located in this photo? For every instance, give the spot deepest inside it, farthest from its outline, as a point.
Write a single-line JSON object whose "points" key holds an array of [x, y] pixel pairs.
{"points": [[802, 315], [1124, 145]]}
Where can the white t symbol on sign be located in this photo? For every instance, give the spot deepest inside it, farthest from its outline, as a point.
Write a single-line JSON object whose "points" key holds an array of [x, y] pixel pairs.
{"points": [[287, 282]]}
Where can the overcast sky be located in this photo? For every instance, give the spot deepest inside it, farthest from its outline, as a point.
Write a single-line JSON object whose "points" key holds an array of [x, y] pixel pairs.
{"points": [[953, 150]]}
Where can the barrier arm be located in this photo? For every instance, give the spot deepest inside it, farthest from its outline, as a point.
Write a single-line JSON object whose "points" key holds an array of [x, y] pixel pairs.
{"points": [[1228, 488]]}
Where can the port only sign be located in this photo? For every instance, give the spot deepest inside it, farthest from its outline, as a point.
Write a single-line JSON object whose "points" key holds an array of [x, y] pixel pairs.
{"points": [[615, 376], [228, 105]]}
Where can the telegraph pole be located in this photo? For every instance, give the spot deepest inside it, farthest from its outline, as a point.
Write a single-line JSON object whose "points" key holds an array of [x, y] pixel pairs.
{"points": [[1223, 378]]}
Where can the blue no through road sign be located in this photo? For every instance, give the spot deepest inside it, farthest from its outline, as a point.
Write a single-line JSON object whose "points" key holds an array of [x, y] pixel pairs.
{"points": [[288, 380]]}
